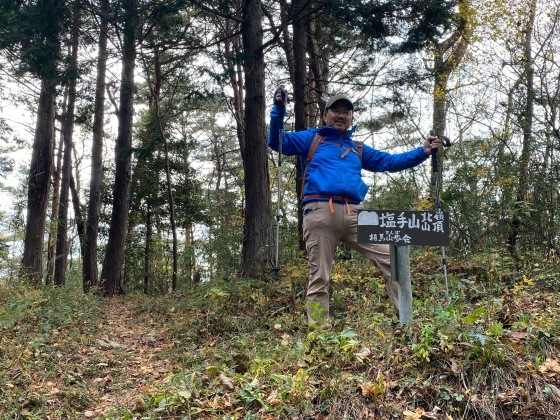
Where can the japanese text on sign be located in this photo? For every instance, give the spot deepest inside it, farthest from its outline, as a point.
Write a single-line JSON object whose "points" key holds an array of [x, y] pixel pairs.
{"points": [[403, 227]]}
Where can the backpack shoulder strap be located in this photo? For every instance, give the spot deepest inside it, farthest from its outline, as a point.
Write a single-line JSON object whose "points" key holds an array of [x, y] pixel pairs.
{"points": [[360, 147], [315, 141]]}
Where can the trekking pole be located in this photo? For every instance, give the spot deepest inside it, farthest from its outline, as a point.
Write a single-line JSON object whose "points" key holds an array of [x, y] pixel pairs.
{"points": [[446, 143], [281, 105]]}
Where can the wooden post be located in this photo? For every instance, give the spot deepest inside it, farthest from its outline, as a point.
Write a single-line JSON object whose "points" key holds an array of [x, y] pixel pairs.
{"points": [[400, 272]]}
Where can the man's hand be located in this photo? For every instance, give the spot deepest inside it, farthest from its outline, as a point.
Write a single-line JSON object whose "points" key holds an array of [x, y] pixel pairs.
{"points": [[433, 142], [280, 96]]}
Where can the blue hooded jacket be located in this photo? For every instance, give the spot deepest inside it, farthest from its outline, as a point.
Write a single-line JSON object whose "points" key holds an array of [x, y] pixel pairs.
{"points": [[332, 172]]}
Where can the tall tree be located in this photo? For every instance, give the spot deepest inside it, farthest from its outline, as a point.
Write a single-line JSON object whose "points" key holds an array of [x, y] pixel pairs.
{"points": [[90, 273], [447, 55], [257, 235], [55, 200], [62, 220], [169, 47], [112, 270], [527, 125], [31, 32], [296, 55]]}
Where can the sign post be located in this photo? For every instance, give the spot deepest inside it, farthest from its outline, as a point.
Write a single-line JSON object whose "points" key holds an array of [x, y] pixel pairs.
{"points": [[400, 272], [401, 229]]}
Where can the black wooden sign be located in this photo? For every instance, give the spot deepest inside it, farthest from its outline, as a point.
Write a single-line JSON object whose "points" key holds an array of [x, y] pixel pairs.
{"points": [[403, 227]]}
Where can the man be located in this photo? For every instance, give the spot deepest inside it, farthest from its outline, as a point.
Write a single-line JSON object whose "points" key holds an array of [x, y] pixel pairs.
{"points": [[333, 190]]}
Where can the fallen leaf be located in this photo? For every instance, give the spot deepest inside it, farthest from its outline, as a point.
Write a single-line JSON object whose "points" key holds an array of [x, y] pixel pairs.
{"points": [[515, 345], [54, 391], [106, 343], [431, 415], [550, 365], [507, 398], [414, 415], [273, 400], [454, 367], [555, 391], [519, 335], [226, 382], [370, 389], [364, 353]]}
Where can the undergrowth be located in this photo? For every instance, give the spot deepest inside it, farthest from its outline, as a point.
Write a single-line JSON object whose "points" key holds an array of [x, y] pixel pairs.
{"points": [[242, 349]]}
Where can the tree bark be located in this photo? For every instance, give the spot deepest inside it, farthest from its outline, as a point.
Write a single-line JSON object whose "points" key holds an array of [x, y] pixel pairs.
{"points": [[90, 272], [61, 258], [156, 93], [527, 125], [112, 281], [78, 216], [51, 249], [295, 49], [235, 72], [257, 233], [448, 54], [39, 181], [319, 65], [300, 105], [147, 270]]}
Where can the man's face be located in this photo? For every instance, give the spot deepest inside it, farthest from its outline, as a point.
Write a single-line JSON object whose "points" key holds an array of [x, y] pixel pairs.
{"points": [[339, 116]]}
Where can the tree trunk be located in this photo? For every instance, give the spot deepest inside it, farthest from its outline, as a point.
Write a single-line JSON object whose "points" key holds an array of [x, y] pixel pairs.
{"points": [[39, 181], [78, 216], [319, 65], [112, 281], [527, 125], [147, 248], [171, 217], [257, 233], [448, 54], [233, 67], [318, 76], [169, 181], [295, 49], [300, 105], [62, 222], [190, 261], [235, 72], [51, 250], [90, 273]]}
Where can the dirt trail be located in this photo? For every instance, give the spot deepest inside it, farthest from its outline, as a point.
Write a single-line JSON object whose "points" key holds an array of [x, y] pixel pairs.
{"points": [[126, 356]]}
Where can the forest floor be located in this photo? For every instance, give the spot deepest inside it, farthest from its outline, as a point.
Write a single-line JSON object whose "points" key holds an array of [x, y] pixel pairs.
{"points": [[241, 349], [130, 347]]}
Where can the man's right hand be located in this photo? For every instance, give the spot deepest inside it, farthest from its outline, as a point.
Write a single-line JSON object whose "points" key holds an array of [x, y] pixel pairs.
{"points": [[280, 96]]}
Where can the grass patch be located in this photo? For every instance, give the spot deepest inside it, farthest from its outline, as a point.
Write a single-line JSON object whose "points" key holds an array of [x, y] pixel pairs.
{"points": [[242, 349]]}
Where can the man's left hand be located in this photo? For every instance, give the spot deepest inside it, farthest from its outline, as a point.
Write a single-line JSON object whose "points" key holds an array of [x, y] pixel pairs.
{"points": [[431, 143]]}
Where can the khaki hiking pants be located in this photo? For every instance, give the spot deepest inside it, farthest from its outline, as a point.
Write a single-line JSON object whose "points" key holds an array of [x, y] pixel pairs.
{"points": [[323, 231]]}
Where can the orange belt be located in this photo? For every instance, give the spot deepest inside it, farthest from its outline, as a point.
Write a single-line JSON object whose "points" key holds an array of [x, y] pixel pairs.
{"points": [[332, 198]]}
